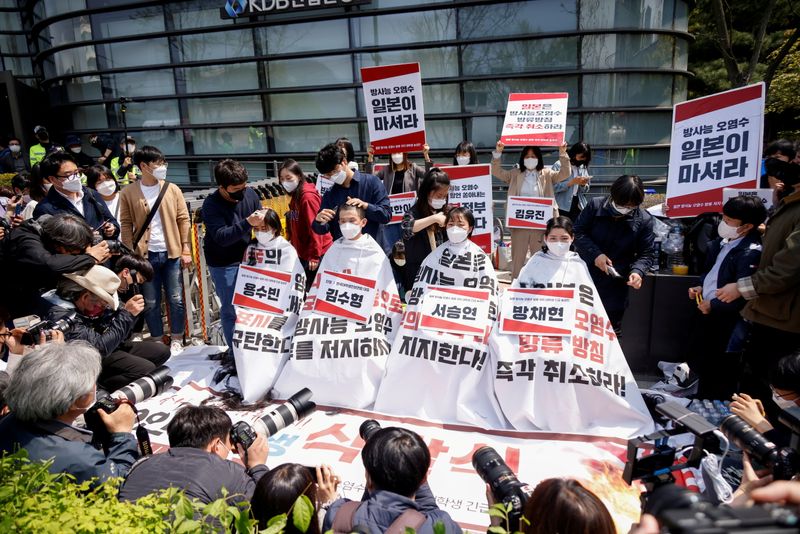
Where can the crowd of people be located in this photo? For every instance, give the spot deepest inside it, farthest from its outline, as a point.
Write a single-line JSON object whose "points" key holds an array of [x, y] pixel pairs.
{"points": [[90, 249]]}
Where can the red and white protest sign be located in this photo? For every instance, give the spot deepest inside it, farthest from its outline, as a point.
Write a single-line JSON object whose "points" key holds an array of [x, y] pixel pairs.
{"points": [[262, 289], [455, 310], [716, 143], [764, 195], [531, 213], [547, 312], [535, 119], [471, 187], [346, 296], [401, 203], [395, 114]]}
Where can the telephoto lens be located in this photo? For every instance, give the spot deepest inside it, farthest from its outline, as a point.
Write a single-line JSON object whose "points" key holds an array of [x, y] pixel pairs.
{"points": [[506, 487], [784, 462], [146, 387], [368, 429], [296, 408]]}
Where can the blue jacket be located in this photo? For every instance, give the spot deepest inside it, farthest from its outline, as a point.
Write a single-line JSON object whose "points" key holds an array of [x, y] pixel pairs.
{"points": [[95, 211], [381, 508], [741, 261], [74, 456], [366, 187], [563, 192]]}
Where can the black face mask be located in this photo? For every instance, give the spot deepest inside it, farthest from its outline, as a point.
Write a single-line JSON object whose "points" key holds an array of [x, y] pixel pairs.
{"points": [[237, 195], [576, 163]]}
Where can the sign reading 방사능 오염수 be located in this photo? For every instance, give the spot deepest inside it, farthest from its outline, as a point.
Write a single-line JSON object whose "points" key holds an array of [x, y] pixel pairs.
{"points": [[395, 114], [232, 9], [716, 143], [538, 119], [531, 213]]}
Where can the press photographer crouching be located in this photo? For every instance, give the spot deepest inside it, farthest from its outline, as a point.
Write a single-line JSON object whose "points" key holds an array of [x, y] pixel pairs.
{"points": [[200, 441], [50, 389], [92, 296]]}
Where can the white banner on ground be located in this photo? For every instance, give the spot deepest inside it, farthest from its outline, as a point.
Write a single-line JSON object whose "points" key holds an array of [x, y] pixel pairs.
{"points": [[262, 337], [765, 195], [401, 203], [471, 187], [343, 360], [716, 143], [531, 213], [579, 383], [538, 119], [440, 375]]}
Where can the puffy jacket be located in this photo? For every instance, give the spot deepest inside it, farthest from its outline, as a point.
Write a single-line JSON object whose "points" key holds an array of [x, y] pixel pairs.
{"points": [[105, 333]]}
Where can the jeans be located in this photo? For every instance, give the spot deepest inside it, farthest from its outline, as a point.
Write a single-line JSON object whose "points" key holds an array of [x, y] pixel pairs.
{"points": [[224, 279], [167, 274]]}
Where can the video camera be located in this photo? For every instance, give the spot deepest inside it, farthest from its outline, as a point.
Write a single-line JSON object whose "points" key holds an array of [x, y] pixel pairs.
{"points": [[34, 327], [296, 408]]}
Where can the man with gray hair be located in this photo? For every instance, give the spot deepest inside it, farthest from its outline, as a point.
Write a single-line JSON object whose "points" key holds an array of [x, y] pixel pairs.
{"points": [[50, 388]]}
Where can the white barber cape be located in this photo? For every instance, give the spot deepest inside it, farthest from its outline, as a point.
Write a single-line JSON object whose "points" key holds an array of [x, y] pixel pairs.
{"points": [[579, 383], [339, 359], [262, 340], [438, 375]]}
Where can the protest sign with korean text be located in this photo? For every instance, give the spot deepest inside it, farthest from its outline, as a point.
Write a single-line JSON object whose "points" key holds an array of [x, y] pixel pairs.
{"points": [[346, 296], [401, 203], [395, 113], [262, 289], [531, 213], [765, 195], [456, 310], [538, 119], [716, 143], [537, 311], [471, 187], [323, 185]]}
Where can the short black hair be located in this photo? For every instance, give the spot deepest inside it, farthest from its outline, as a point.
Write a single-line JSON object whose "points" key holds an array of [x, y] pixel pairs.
{"points": [[136, 263], [465, 212], [345, 144], [230, 172], [95, 172], [328, 158], [147, 154], [433, 180], [627, 190], [51, 165], [465, 146], [580, 148], [65, 230], [37, 190], [786, 373], [362, 213], [397, 460], [783, 147], [12, 138], [565, 223], [782, 171], [20, 181], [536, 152], [276, 493], [198, 426], [748, 209], [273, 220]]}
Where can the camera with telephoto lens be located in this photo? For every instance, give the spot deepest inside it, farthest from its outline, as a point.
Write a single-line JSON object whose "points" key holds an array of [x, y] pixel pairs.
{"points": [[296, 408], [368, 429], [506, 487], [115, 246], [784, 462], [33, 333], [144, 388]]}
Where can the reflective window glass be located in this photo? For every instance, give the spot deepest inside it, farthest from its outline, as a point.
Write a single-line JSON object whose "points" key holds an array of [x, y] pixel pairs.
{"points": [[609, 51], [681, 54], [51, 9], [492, 95], [217, 45], [681, 16], [443, 133], [441, 98], [170, 142], [513, 18], [403, 28], [147, 83], [13, 44], [433, 62], [680, 92], [178, 172], [196, 14], [206, 79], [602, 14], [153, 113], [128, 22], [67, 31], [218, 110], [20, 66], [521, 56], [80, 59], [135, 53], [86, 117], [624, 90], [293, 139], [647, 163], [627, 128], [318, 35], [313, 105], [252, 140], [320, 71], [10, 21], [77, 89]]}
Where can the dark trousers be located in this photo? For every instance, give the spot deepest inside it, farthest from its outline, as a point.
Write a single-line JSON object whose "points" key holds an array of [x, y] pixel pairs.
{"points": [[130, 362], [717, 369], [764, 347]]}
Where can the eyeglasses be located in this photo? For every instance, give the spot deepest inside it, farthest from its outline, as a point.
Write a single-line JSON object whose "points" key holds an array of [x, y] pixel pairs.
{"points": [[74, 174]]}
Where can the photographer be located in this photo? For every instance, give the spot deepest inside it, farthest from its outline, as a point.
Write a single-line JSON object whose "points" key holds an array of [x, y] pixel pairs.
{"points": [[50, 389], [92, 296], [396, 462], [199, 440], [14, 345]]}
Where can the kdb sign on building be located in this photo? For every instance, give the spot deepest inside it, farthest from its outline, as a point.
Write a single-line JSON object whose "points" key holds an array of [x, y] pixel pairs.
{"points": [[252, 8]]}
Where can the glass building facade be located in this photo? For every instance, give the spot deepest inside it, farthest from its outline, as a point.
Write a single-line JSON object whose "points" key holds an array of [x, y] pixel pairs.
{"points": [[284, 84]]}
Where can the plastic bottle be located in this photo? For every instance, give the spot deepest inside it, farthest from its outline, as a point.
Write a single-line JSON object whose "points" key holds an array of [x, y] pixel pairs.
{"points": [[673, 247]]}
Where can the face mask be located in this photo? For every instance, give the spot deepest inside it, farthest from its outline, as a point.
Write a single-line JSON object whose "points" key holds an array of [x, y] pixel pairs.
{"points": [[399, 263], [456, 234], [94, 311], [26, 198], [236, 195], [620, 209], [47, 186], [265, 237], [783, 404], [462, 160], [350, 230], [339, 177], [438, 203], [397, 159], [131, 149], [290, 186], [73, 183], [14, 148], [558, 248], [352, 165], [76, 150], [530, 163], [107, 188], [160, 173], [726, 231]]}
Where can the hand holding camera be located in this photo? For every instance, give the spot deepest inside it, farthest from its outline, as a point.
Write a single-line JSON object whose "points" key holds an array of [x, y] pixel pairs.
{"points": [[99, 252], [256, 454], [135, 305], [120, 420]]}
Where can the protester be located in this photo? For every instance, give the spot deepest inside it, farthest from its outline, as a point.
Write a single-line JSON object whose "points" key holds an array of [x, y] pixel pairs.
{"points": [[566, 507], [464, 154], [304, 204], [104, 143], [101, 180], [44, 148], [571, 194], [125, 167], [73, 146], [14, 161], [155, 224], [38, 188], [229, 215], [613, 232], [396, 461], [529, 179], [350, 187], [349, 152], [50, 389], [21, 197]]}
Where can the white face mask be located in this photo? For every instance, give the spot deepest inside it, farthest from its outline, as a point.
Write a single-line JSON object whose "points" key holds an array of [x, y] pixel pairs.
{"points": [[783, 404], [558, 248], [530, 163], [339, 177], [397, 159], [73, 183], [438, 203], [106, 188], [47, 186], [265, 237], [726, 231], [399, 263], [462, 160], [76, 150], [160, 173], [131, 149], [14, 148], [290, 185], [456, 234], [352, 165], [350, 230], [620, 209]]}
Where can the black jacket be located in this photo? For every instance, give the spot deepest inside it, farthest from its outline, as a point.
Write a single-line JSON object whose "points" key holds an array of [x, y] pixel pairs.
{"points": [[95, 211], [9, 163], [30, 269], [200, 474], [741, 261], [105, 333]]}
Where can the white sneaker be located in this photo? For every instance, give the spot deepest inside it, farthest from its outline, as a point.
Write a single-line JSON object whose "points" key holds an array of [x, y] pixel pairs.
{"points": [[176, 347], [137, 338]]}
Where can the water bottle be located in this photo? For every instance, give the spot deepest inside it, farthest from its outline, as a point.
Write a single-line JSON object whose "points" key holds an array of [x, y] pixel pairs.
{"points": [[673, 247]]}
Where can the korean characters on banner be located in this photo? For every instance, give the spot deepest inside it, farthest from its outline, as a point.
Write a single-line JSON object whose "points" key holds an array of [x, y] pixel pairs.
{"points": [[538, 119], [471, 187], [395, 114], [766, 196], [716, 143], [346, 327], [557, 363], [269, 293], [531, 213], [323, 185], [401, 203], [443, 344]]}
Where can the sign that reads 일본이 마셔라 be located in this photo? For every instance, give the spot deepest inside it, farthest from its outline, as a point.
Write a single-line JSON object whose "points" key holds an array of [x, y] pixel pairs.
{"points": [[252, 8]]}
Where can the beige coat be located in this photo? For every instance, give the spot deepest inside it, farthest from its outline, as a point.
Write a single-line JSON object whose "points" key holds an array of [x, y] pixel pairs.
{"points": [[133, 210], [547, 177]]}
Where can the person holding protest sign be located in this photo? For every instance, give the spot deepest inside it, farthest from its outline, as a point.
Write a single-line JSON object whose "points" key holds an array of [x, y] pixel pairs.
{"points": [[529, 179], [465, 154], [615, 238], [571, 195]]}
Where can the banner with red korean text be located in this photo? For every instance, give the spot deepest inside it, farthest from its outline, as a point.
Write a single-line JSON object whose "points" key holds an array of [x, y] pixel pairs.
{"points": [[538, 119], [570, 353], [395, 112], [531, 213], [471, 187], [716, 143], [765, 195], [401, 203]]}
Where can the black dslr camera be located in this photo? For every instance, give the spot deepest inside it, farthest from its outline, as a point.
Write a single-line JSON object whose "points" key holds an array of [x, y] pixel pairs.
{"points": [[34, 332], [506, 487], [296, 407]]}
